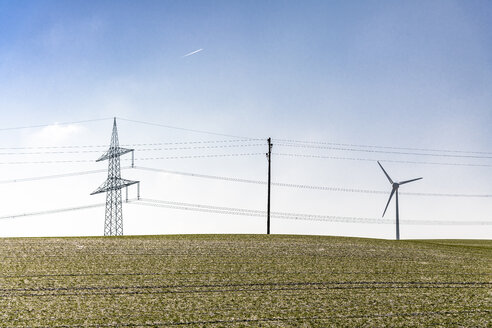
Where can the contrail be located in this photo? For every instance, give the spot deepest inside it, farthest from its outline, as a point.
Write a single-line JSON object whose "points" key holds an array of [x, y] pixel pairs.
{"points": [[193, 52]]}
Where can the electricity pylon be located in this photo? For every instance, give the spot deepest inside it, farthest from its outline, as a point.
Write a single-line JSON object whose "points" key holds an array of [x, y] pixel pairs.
{"points": [[113, 223]]}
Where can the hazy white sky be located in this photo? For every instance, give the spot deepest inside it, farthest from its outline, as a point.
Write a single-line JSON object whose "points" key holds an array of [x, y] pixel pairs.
{"points": [[403, 74]]}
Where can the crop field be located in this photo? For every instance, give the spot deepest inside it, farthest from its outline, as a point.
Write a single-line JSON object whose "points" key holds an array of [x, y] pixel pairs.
{"points": [[244, 281]]}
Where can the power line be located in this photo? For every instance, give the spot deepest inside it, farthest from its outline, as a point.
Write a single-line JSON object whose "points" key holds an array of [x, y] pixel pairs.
{"points": [[301, 145], [134, 144], [62, 123], [383, 147], [55, 211], [382, 160], [304, 186], [51, 152], [199, 147], [53, 147], [290, 215], [54, 176], [201, 175], [198, 156], [240, 180], [193, 142], [382, 151], [184, 129], [136, 159], [139, 149], [249, 212], [304, 142], [47, 162]]}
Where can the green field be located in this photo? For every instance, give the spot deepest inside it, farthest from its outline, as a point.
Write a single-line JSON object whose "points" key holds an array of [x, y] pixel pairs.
{"points": [[244, 281]]}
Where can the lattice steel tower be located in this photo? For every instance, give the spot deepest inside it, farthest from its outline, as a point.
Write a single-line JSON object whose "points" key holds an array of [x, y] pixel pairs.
{"points": [[113, 223]]}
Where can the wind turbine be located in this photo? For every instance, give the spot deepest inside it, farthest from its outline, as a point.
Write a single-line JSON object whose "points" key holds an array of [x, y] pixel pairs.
{"points": [[395, 185]]}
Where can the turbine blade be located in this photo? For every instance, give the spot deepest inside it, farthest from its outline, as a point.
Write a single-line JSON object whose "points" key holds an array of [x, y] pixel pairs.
{"points": [[403, 182], [391, 181], [389, 200]]}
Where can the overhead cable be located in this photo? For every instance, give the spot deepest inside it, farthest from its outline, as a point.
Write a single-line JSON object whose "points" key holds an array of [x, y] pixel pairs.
{"points": [[197, 156], [136, 149], [382, 160], [249, 212], [51, 152], [129, 159], [48, 162], [55, 211], [62, 123], [240, 180], [300, 142], [377, 151], [304, 186], [292, 216], [194, 142], [56, 176], [229, 141], [183, 129], [382, 147]]}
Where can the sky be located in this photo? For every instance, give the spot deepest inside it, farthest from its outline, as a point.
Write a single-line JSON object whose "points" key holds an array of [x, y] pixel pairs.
{"points": [[409, 74]]}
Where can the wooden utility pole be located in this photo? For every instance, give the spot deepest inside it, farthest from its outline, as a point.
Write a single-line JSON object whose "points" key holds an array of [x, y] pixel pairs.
{"points": [[269, 156]]}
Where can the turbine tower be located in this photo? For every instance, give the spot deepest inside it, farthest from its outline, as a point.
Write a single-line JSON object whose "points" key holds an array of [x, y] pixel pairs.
{"points": [[113, 223], [395, 185]]}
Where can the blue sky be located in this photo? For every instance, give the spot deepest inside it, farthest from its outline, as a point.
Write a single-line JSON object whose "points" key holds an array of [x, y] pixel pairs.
{"points": [[393, 73]]}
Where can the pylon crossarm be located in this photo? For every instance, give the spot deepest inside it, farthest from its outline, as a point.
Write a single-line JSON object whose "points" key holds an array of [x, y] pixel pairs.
{"points": [[114, 152], [113, 184], [102, 188], [125, 183]]}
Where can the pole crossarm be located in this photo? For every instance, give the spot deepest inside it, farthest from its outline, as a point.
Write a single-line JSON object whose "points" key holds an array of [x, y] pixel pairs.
{"points": [[114, 184]]}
